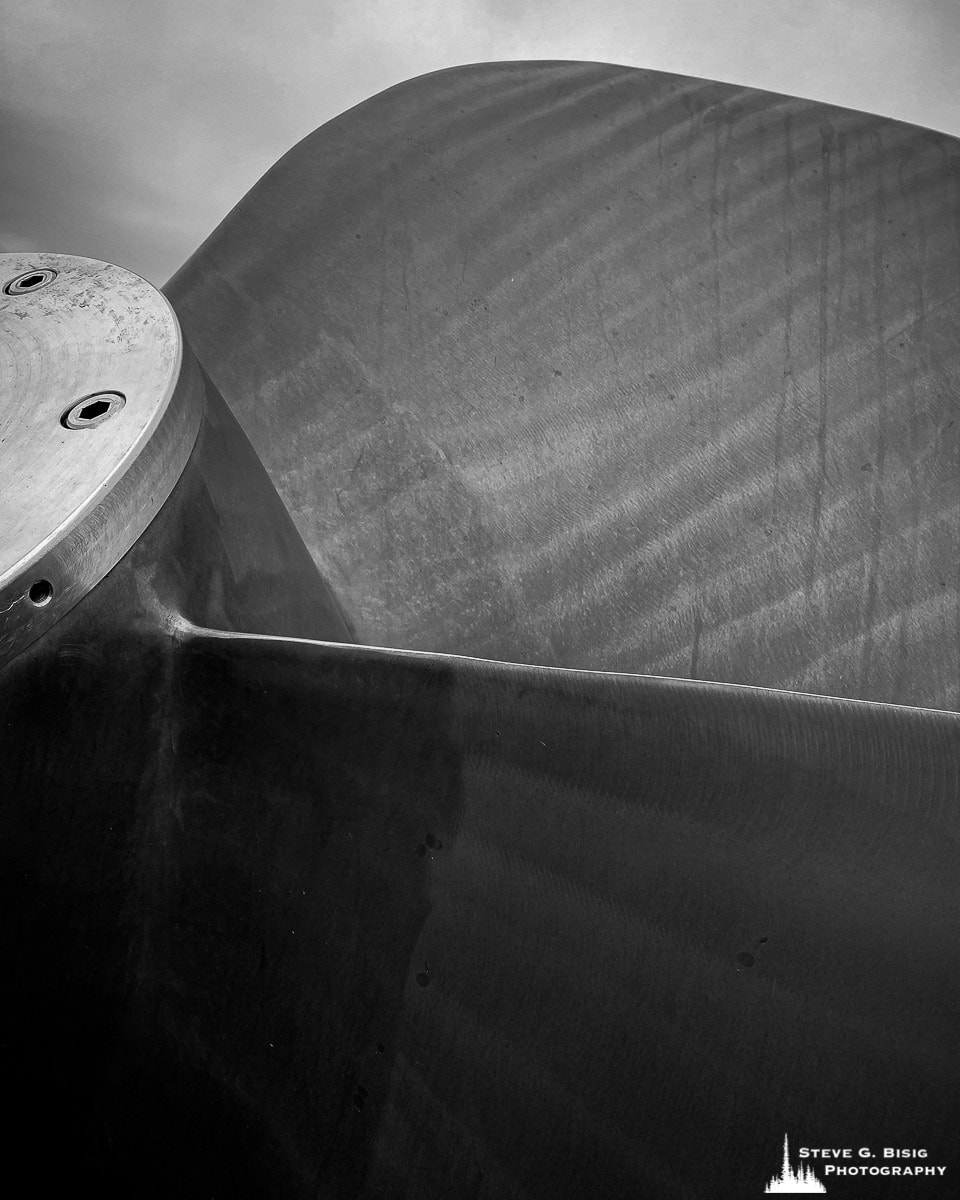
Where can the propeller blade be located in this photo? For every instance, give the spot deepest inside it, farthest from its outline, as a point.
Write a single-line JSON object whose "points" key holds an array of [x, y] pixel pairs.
{"points": [[301, 919], [549, 361], [606, 368]]}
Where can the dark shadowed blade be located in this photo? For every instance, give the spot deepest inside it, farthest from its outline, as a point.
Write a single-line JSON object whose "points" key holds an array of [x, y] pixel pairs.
{"points": [[585, 365], [302, 919]]}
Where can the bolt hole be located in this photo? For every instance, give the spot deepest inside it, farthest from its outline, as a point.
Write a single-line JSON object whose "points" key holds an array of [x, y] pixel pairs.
{"points": [[30, 281], [41, 592], [96, 409], [92, 410]]}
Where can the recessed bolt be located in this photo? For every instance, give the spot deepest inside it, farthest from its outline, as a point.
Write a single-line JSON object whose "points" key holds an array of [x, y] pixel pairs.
{"points": [[92, 410], [29, 281]]}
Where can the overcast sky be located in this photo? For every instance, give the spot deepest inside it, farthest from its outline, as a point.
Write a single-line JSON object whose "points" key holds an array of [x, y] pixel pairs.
{"points": [[129, 128]]}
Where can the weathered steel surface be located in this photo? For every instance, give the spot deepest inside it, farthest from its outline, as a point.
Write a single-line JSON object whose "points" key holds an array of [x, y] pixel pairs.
{"points": [[74, 500], [605, 368]]}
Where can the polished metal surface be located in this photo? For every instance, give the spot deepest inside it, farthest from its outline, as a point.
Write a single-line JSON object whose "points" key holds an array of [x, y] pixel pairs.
{"points": [[577, 364], [291, 917], [99, 410], [307, 919]]}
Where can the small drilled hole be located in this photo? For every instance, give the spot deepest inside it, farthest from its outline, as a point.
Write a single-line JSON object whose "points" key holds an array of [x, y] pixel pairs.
{"points": [[41, 593], [31, 281]]}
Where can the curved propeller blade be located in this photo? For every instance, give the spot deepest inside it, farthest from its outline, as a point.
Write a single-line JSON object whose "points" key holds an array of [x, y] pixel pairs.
{"points": [[598, 367], [549, 361], [305, 919]]}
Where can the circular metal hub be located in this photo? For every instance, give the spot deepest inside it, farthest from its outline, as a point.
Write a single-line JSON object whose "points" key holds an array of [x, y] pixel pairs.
{"points": [[100, 405]]}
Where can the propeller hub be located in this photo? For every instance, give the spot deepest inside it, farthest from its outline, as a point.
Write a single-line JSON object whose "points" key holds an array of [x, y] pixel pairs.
{"points": [[100, 405]]}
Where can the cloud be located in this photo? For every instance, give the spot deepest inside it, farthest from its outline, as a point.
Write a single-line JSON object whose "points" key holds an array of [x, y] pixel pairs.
{"points": [[133, 128]]}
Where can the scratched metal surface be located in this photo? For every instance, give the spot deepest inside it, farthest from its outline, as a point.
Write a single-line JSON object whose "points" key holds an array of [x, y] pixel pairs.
{"points": [[591, 366], [291, 918]]}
